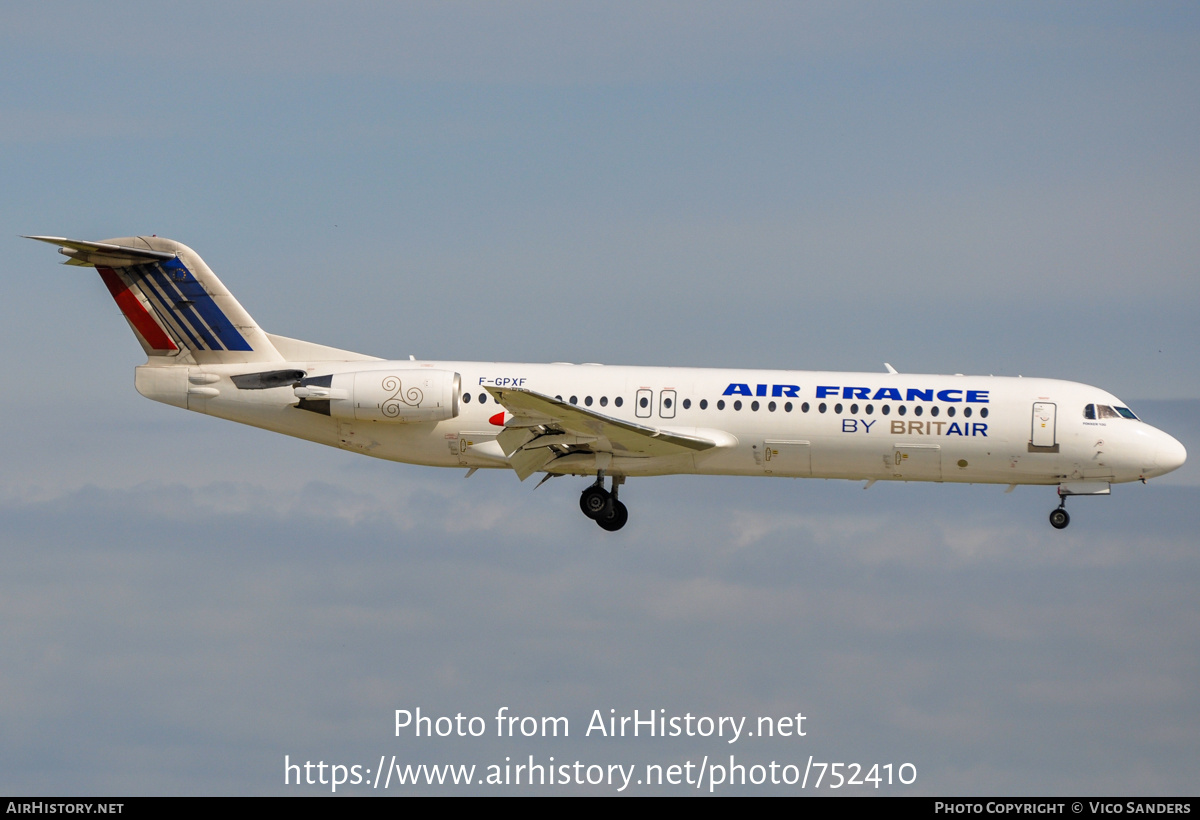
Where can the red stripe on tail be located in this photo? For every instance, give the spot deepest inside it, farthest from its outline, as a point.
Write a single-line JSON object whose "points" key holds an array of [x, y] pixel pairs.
{"points": [[136, 312]]}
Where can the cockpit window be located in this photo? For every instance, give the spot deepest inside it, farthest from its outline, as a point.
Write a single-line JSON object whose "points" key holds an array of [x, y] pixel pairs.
{"points": [[1103, 411]]}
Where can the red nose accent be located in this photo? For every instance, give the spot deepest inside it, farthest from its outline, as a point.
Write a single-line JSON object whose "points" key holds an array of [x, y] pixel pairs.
{"points": [[497, 419]]}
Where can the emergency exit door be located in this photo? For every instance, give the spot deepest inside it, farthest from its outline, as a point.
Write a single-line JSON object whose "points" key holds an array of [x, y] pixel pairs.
{"points": [[644, 403]]}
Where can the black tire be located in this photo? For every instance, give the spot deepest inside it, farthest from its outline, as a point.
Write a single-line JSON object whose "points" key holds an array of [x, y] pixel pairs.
{"points": [[593, 501], [1059, 519], [616, 519]]}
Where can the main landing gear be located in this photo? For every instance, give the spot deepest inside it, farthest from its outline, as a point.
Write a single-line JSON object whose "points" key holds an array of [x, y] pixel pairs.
{"points": [[1058, 517], [602, 506]]}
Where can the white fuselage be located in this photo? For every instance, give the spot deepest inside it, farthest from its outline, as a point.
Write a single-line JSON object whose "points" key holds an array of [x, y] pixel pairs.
{"points": [[883, 426]]}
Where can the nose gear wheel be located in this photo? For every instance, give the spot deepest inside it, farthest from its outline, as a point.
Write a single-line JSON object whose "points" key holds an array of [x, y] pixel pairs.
{"points": [[1058, 517]]}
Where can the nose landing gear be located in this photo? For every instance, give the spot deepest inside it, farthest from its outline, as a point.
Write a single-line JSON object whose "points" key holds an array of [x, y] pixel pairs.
{"points": [[1059, 518], [602, 506], [1093, 487]]}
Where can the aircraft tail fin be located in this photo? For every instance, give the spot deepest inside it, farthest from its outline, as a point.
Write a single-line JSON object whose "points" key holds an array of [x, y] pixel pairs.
{"points": [[172, 300]]}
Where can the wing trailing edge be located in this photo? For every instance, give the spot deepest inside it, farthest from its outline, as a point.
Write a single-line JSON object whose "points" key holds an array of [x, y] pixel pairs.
{"points": [[543, 429]]}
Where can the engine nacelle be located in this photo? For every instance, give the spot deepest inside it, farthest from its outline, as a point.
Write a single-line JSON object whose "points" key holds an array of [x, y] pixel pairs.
{"points": [[399, 396]]}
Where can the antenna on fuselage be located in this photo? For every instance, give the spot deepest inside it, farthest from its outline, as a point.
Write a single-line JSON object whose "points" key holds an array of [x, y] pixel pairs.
{"points": [[890, 369]]}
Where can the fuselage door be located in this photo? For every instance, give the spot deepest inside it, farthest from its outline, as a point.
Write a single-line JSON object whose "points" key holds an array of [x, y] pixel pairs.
{"points": [[643, 405], [917, 462], [1043, 425], [467, 441], [666, 404], [786, 458]]}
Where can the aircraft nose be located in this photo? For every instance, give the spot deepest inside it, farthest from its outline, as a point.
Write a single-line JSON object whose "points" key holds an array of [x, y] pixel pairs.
{"points": [[1169, 454]]}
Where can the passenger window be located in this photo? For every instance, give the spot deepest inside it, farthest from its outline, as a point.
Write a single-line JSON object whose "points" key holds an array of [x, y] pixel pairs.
{"points": [[703, 404]]}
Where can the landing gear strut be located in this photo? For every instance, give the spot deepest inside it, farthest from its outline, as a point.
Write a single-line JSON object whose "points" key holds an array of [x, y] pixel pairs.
{"points": [[1058, 517], [602, 506]]}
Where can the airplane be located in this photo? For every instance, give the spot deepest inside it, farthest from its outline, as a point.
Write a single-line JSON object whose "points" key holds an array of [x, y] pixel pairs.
{"points": [[204, 353]]}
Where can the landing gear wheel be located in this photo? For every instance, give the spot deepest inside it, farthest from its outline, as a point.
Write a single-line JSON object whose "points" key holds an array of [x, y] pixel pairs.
{"points": [[1059, 518], [593, 501], [614, 520]]}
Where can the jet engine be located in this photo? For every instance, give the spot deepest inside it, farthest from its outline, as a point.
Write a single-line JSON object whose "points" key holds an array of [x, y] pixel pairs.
{"points": [[398, 396]]}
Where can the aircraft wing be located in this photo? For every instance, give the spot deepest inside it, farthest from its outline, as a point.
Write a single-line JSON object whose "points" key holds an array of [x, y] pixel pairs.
{"points": [[544, 428]]}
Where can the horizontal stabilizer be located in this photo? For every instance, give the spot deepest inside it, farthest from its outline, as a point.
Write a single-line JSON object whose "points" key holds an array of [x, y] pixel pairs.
{"points": [[103, 254]]}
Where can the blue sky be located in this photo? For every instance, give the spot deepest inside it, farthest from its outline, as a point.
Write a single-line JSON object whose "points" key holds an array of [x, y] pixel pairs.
{"points": [[983, 188]]}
